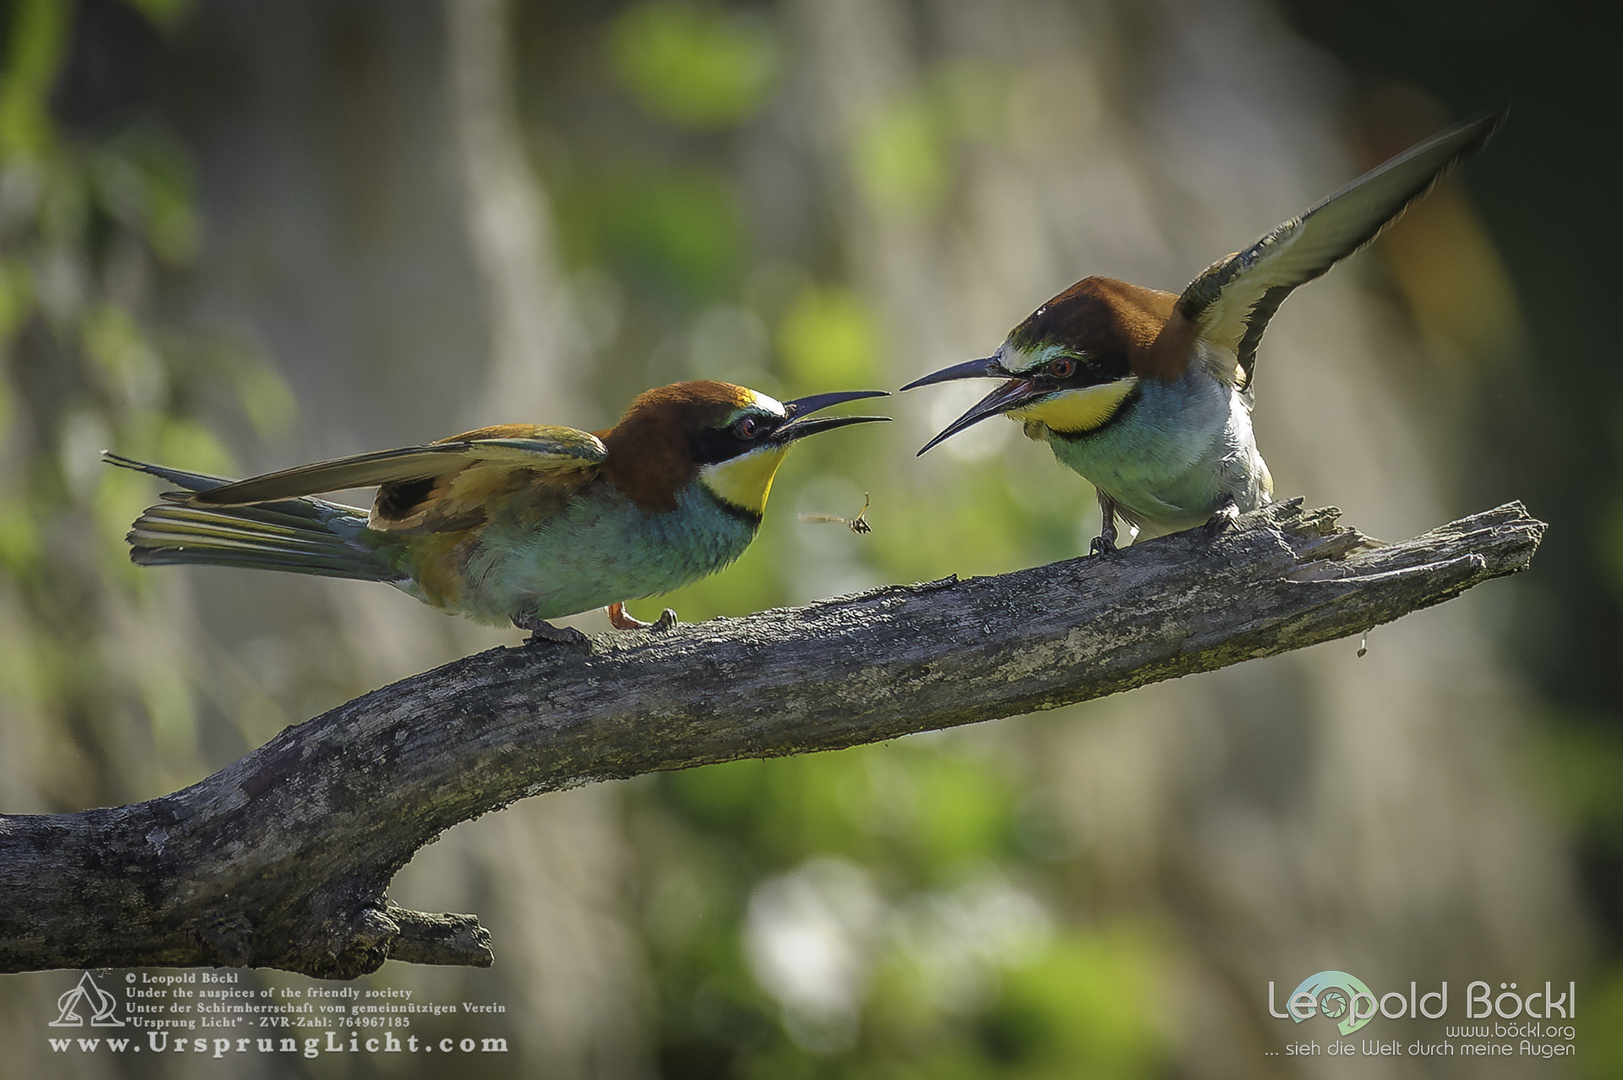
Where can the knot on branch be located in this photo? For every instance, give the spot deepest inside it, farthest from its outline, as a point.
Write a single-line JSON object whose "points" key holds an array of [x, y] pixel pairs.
{"points": [[456, 940], [374, 933]]}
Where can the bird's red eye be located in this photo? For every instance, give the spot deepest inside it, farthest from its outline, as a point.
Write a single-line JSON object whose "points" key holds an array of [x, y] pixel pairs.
{"points": [[1063, 368], [747, 427]]}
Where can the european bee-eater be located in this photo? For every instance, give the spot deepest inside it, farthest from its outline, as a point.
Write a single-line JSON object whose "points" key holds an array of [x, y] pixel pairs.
{"points": [[518, 522], [1148, 395]]}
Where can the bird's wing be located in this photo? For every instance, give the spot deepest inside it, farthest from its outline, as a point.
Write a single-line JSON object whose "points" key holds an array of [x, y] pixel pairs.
{"points": [[536, 450], [533, 471], [1231, 302]]}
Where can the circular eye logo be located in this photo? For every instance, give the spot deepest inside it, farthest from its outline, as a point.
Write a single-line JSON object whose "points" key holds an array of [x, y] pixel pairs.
{"points": [[1336, 995]]}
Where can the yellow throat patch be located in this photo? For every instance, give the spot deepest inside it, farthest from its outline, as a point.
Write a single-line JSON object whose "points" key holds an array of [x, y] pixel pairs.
{"points": [[746, 480], [1072, 412]]}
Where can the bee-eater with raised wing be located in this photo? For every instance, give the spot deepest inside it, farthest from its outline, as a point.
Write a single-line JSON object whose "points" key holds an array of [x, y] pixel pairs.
{"points": [[1148, 395]]}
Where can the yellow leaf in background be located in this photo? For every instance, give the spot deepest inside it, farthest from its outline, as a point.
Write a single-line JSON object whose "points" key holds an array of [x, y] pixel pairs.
{"points": [[267, 400], [898, 157], [694, 66], [36, 34], [829, 336]]}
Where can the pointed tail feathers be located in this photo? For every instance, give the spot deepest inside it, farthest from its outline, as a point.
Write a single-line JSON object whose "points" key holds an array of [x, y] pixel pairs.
{"points": [[303, 536]]}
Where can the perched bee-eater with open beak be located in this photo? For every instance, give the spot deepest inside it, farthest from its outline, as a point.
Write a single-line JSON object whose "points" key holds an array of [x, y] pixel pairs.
{"points": [[1148, 395], [520, 522]]}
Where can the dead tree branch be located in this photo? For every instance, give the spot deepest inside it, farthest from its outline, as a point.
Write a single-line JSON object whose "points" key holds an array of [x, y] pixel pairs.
{"points": [[282, 859]]}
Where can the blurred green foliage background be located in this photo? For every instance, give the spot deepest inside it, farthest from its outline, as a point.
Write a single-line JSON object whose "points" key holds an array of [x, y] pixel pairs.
{"points": [[236, 236]]}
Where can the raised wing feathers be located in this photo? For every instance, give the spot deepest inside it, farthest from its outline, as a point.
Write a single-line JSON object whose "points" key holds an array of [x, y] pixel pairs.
{"points": [[541, 449], [1232, 301]]}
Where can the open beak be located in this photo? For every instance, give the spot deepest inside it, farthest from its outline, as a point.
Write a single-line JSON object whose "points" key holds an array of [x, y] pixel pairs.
{"points": [[799, 409], [985, 368], [1012, 394]]}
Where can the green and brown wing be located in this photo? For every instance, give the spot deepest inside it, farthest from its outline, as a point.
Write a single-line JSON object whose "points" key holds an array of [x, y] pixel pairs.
{"points": [[439, 486], [1231, 302]]}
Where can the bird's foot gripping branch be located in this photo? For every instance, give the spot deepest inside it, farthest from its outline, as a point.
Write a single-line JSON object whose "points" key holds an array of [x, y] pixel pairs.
{"points": [[282, 858]]}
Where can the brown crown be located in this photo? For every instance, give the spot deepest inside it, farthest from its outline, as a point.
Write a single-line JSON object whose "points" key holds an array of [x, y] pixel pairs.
{"points": [[1100, 316], [651, 448]]}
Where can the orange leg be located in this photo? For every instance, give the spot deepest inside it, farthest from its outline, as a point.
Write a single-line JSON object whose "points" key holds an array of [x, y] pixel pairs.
{"points": [[620, 619]]}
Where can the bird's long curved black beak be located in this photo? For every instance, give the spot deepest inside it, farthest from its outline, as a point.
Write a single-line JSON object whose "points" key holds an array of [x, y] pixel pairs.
{"points": [[985, 368], [1008, 396], [798, 426]]}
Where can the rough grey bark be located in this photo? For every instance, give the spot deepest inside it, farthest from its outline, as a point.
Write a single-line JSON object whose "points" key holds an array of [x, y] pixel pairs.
{"points": [[282, 859]]}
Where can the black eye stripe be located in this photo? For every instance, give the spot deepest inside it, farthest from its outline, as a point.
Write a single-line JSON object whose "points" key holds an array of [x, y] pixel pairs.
{"points": [[717, 444], [713, 445], [1087, 370]]}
